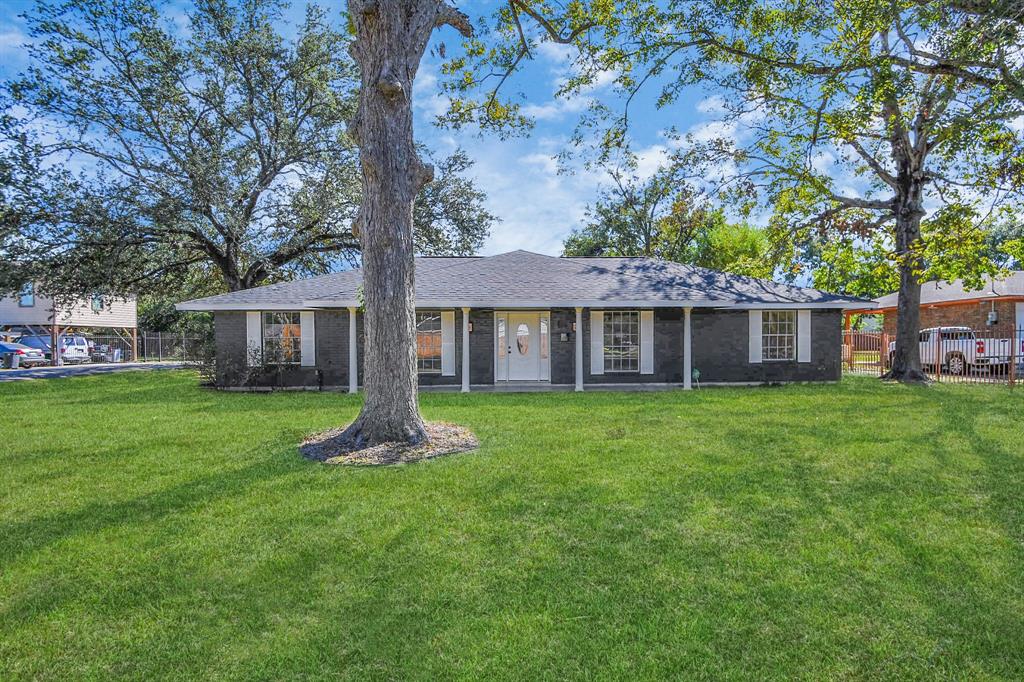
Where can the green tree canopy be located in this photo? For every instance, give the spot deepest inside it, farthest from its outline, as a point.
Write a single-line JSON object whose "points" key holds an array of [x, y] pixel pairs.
{"points": [[143, 155], [665, 217]]}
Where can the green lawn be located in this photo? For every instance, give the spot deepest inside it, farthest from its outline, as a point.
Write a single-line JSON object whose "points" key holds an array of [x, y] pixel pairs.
{"points": [[153, 529]]}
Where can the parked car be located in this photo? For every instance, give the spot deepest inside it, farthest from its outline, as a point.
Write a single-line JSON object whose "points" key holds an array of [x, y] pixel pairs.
{"points": [[75, 349], [959, 349], [27, 356]]}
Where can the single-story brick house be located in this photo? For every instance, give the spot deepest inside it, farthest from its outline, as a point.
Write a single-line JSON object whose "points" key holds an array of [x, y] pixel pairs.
{"points": [[997, 307], [528, 320]]}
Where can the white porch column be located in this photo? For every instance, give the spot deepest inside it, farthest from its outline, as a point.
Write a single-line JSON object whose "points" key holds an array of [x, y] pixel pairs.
{"points": [[465, 350], [579, 349], [687, 356], [353, 352]]}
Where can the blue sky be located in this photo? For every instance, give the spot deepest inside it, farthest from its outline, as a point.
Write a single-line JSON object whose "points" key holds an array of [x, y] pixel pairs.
{"points": [[537, 205]]}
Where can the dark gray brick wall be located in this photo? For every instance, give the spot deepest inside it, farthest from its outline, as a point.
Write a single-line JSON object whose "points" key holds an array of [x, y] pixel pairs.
{"points": [[720, 351], [481, 347], [668, 352], [563, 353], [229, 336], [232, 370], [332, 346]]}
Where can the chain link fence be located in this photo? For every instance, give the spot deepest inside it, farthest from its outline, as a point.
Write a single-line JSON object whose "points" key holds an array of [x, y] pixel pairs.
{"points": [[152, 347]]}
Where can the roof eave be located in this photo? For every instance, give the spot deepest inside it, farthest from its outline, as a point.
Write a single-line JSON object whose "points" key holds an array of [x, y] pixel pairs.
{"points": [[201, 306]]}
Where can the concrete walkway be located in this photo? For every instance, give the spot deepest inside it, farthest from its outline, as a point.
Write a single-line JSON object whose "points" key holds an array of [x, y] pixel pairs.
{"points": [[82, 370]]}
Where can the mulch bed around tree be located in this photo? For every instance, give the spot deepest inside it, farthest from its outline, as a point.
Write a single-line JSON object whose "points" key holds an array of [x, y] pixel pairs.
{"points": [[443, 439]]}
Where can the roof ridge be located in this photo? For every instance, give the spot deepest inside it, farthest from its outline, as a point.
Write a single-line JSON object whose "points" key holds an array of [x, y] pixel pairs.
{"points": [[712, 271]]}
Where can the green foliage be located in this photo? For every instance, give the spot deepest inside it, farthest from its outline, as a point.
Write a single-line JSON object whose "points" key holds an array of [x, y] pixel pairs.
{"points": [[175, 156], [848, 117], [735, 247], [663, 217], [844, 267]]}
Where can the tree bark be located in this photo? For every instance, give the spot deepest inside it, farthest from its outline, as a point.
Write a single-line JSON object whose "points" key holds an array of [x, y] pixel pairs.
{"points": [[906, 358], [391, 36]]}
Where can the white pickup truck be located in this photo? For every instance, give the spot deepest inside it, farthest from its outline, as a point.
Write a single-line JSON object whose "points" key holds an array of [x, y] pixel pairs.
{"points": [[959, 349]]}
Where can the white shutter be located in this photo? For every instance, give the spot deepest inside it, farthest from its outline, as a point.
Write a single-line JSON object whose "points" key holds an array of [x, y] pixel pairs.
{"points": [[253, 339], [1018, 343], [307, 338], [803, 336], [755, 336], [596, 342], [448, 343], [647, 342]]}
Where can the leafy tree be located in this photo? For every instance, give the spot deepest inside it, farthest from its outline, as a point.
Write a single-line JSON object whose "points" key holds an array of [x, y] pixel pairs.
{"points": [[901, 97], [220, 151], [664, 217], [914, 138], [736, 247], [1004, 241], [391, 37]]}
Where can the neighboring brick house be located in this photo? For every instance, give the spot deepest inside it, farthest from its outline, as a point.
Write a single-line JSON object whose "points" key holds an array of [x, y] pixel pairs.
{"points": [[945, 304], [527, 320]]}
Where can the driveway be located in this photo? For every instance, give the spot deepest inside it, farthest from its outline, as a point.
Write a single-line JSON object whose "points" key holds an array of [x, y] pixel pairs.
{"points": [[82, 370]]}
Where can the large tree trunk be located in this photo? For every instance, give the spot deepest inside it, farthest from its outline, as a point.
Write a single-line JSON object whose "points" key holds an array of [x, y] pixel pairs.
{"points": [[906, 358], [391, 36]]}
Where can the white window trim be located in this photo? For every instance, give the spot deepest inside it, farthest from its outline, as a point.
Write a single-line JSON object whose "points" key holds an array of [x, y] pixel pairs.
{"points": [[447, 343], [253, 338], [307, 338], [647, 342], [803, 336], [596, 342], [754, 337]]}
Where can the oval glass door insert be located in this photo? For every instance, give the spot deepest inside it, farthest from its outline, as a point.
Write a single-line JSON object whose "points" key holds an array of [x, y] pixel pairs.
{"points": [[523, 338]]}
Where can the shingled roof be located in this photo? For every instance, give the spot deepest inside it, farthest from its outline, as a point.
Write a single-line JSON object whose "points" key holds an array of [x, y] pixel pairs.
{"points": [[951, 292], [521, 279]]}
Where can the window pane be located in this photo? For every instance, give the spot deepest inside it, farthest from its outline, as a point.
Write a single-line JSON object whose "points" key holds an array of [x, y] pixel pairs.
{"points": [[282, 334], [778, 335], [501, 338], [523, 338], [428, 342], [27, 296], [622, 341], [544, 336]]}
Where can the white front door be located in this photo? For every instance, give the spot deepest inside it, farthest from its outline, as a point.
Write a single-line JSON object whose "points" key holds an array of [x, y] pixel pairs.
{"points": [[523, 346]]}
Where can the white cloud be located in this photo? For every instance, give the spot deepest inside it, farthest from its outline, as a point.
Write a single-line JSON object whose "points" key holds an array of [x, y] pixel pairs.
{"points": [[426, 93], [706, 131], [12, 44], [538, 206], [650, 159], [712, 105]]}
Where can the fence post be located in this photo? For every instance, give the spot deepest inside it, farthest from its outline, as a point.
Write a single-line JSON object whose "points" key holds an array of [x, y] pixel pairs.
{"points": [[1013, 357], [938, 355], [883, 352]]}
